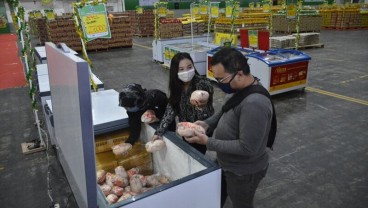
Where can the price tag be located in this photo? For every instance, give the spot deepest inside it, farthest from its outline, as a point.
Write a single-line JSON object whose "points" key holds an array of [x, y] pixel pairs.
{"points": [[162, 11], [203, 9], [228, 10], [266, 7], [291, 11], [195, 10], [94, 21], [139, 10]]}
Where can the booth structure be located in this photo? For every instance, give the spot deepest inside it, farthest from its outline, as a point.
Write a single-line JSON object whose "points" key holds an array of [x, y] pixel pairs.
{"points": [[158, 45], [195, 180], [197, 52], [280, 70]]}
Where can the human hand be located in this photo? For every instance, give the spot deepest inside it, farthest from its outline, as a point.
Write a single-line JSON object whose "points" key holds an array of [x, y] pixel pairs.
{"points": [[203, 124], [198, 138], [155, 137]]}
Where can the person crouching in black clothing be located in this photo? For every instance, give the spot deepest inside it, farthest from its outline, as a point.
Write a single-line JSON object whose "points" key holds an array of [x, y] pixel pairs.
{"points": [[136, 101]]}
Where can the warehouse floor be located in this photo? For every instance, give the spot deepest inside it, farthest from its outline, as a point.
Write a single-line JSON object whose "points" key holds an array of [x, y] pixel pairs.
{"points": [[321, 151]]}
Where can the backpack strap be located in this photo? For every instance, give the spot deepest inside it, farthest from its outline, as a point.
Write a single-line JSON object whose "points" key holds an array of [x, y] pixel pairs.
{"points": [[239, 96]]}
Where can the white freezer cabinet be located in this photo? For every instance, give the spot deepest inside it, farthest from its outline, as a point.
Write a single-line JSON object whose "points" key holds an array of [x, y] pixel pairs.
{"points": [[212, 52], [197, 52], [44, 83], [195, 180], [158, 45], [280, 70]]}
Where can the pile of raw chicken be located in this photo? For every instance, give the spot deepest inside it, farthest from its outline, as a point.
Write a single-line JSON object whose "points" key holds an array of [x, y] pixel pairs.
{"points": [[123, 184]]}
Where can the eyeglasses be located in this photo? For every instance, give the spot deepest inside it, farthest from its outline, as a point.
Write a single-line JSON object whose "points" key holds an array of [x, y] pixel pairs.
{"points": [[225, 78]]}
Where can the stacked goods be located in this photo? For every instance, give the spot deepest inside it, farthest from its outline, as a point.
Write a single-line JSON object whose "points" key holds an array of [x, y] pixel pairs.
{"points": [[121, 32], [187, 27], [104, 142], [282, 42], [223, 25], [39, 28], [170, 28], [62, 30], [307, 23], [201, 27], [144, 23], [306, 39], [351, 16]]}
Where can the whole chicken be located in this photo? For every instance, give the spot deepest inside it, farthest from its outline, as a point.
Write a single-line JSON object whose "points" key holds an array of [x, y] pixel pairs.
{"points": [[149, 117], [121, 149], [199, 98], [105, 189], [136, 184], [112, 198], [154, 146], [101, 175], [118, 191], [120, 171], [186, 129]]}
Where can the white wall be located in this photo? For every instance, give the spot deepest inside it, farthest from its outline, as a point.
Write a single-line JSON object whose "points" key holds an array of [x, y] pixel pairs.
{"points": [[62, 6]]}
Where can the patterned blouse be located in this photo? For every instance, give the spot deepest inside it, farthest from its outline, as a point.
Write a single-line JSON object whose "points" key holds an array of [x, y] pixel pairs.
{"points": [[188, 112]]}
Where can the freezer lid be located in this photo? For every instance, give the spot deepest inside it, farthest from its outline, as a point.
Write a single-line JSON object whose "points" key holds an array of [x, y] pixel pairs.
{"points": [[277, 57]]}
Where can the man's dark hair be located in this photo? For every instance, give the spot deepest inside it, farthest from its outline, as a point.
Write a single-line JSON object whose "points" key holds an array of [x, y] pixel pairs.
{"points": [[131, 95], [232, 60]]}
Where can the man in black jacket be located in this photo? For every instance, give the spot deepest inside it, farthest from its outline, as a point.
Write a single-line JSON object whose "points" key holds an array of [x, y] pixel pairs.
{"points": [[136, 101]]}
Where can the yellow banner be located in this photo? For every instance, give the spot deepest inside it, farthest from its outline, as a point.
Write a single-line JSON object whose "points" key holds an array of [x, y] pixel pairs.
{"points": [[214, 12], [266, 7], [228, 11], [95, 24], [139, 10], [161, 11], [50, 15], [291, 11], [203, 9], [195, 10], [253, 38], [221, 38]]}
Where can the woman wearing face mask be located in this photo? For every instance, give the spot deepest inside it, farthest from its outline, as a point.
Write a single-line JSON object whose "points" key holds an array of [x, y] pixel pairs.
{"points": [[182, 83], [136, 101]]}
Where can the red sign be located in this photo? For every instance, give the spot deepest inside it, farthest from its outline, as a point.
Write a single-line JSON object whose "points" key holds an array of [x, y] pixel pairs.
{"points": [[289, 75]]}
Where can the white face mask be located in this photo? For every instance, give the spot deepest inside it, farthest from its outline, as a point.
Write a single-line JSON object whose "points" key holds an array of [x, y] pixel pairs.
{"points": [[187, 75]]}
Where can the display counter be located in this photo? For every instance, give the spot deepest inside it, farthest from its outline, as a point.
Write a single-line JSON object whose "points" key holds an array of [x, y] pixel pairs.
{"points": [[280, 70], [158, 45]]}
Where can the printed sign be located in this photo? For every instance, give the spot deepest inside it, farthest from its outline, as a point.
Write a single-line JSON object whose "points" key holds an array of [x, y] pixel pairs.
{"points": [[94, 21], [291, 11], [253, 38], [290, 75]]}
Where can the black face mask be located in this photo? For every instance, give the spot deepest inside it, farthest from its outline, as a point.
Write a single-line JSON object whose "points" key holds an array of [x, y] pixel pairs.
{"points": [[226, 87]]}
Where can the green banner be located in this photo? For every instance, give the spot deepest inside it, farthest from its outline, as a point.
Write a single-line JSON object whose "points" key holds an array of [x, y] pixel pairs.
{"points": [[94, 21]]}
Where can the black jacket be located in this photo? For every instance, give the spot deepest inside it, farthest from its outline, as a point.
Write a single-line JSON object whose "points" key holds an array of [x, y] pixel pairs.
{"points": [[155, 100]]}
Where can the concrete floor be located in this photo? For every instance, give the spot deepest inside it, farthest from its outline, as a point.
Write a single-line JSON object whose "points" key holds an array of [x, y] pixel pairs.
{"points": [[321, 151]]}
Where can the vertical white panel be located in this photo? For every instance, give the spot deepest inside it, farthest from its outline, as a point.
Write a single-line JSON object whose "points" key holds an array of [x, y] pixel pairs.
{"points": [[71, 104]]}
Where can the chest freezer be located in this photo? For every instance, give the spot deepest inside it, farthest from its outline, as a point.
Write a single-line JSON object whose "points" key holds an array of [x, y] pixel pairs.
{"points": [[44, 84], [212, 52], [41, 54], [195, 180], [107, 116], [280, 70], [158, 46], [197, 52]]}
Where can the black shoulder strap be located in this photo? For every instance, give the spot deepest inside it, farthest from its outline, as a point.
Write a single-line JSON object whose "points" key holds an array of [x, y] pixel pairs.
{"points": [[238, 97]]}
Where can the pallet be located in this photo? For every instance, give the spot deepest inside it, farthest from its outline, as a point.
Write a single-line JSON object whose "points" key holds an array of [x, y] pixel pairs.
{"points": [[26, 151], [345, 28], [320, 45]]}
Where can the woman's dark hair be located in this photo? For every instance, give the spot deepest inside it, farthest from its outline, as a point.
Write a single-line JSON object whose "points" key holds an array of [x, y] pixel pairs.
{"points": [[232, 60], [175, 84]]}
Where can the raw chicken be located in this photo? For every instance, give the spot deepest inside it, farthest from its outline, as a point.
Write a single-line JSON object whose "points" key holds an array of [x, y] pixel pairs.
{"points": [[118, 191], [110, 179], [126, 195], [153, 180], [186, 129], [101, 175], [120, 171], [163, 179], [105, 189], [112, 198], [121, 149], [119, 181], [136, 184], [199, 98], [156, 145], [149, 117], [132, 172]]}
